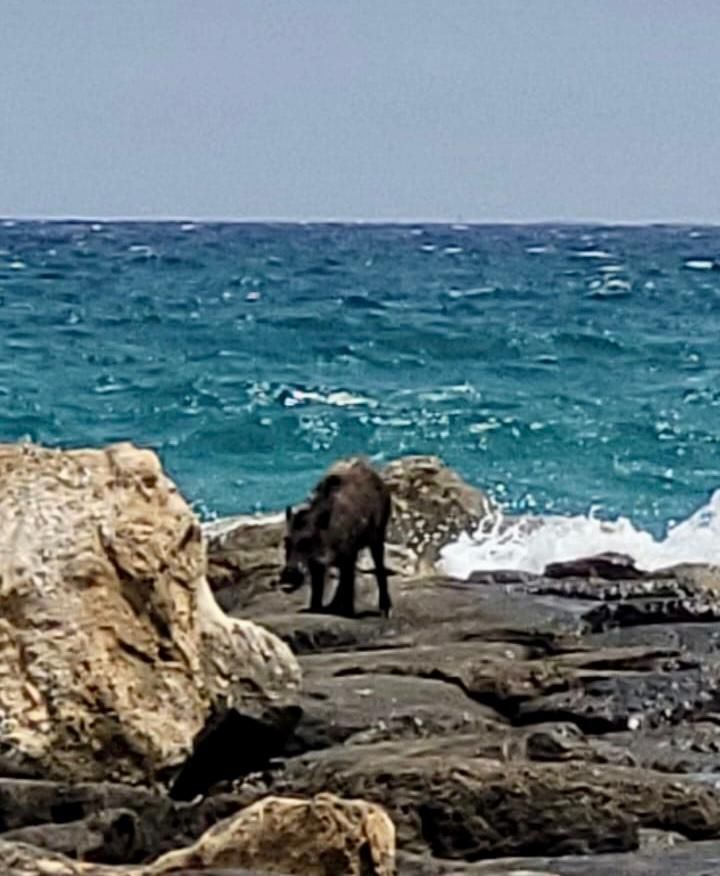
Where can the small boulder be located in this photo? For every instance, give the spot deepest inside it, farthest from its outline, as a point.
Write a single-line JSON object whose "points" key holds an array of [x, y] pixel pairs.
{"points": [[244, 557], [432, 507], [323, 836], [609, 565]]}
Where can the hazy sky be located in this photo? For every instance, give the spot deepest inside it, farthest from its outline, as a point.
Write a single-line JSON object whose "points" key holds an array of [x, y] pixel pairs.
{"points": [[374, 109]]}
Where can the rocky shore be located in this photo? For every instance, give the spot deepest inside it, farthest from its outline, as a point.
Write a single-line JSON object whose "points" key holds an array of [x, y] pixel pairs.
{"points": [[166, 709]]}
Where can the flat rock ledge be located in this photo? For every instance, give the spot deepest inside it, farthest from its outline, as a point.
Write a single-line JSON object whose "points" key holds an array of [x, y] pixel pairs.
{"points": [[517, 723]]}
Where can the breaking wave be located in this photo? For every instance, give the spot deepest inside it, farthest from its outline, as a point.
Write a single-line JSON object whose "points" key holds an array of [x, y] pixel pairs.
{"points": [[528, 543]]}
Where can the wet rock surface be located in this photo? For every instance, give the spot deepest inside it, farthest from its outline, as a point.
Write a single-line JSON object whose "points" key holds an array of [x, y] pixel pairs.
{"points": [[506, 730]]}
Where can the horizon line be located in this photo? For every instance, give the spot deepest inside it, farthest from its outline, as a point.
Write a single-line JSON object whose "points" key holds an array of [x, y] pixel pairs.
{"points": [[339, 220]]}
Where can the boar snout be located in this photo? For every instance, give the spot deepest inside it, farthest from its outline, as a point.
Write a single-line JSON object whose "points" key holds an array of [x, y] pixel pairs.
{"points": [[291, 578]]}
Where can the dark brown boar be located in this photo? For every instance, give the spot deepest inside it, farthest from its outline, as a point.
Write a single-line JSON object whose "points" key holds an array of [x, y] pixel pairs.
{"points": [[348, 511]]}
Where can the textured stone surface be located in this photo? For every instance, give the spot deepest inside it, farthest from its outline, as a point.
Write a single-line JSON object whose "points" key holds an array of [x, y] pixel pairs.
{"points": [[110, 835], [324, 836], [688, 859], [479, 715], [112, 648], [432, 506], [244, 557], [573, 720], [459, 806]]}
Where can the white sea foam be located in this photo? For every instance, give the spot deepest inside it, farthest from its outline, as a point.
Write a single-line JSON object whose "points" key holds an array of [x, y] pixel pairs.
{"points": [[142, 249], [610, 287], [529, 543], [591, 254], [700, 264], [469, 293], [340, 399]]}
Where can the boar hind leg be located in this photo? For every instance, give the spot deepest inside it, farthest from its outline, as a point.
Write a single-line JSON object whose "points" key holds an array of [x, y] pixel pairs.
{"points": [[343, 602], [378, 554], [317, 586]]}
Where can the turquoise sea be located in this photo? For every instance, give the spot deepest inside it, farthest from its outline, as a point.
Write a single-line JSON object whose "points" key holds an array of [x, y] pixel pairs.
{"points": [[561, 368]]}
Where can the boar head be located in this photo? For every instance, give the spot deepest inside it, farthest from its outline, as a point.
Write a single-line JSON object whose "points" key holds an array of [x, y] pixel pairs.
{"points": [[305, 544]]}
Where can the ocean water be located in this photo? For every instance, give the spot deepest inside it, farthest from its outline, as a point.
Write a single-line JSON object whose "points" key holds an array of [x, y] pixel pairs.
{"points": [[570, 371]]}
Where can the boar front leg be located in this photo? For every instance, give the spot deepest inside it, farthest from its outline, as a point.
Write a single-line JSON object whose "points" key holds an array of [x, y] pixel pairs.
{"points": [[343, 603], [317, 586]]}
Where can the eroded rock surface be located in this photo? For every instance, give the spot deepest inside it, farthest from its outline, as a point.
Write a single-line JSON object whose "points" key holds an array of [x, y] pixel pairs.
{"points": [[498, 718], [112, 648], [432, 506], [244, 557], [323, 836]]}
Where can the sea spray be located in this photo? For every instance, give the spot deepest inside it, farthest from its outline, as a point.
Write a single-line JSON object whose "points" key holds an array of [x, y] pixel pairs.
{"points": [[528, 543]]}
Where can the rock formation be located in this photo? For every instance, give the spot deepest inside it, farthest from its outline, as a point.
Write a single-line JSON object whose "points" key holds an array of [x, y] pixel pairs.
{"points": [[323, 836], [568, 718], [432, 506], [112, 649]]}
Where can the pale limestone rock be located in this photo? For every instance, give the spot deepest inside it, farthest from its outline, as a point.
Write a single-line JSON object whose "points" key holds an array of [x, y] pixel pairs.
{"points": [[432, 506], [112, 648], [323, 836], [20, 859]]}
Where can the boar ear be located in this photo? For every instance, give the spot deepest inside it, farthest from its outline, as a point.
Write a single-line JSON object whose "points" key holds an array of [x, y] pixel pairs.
{"points": [[323, 519], [288, 514]]}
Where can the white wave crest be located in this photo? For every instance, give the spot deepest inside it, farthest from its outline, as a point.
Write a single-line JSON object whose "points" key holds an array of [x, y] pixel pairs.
{"points": [[340, 399], [700, 264], [529, 543]]}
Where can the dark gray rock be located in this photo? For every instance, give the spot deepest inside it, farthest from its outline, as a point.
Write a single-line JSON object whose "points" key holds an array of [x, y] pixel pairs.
{"points": [[111, 836], [143, 823], [386, 709], [688, 859], [611, 566], [570, 720], [376, 707], [457, 806]]}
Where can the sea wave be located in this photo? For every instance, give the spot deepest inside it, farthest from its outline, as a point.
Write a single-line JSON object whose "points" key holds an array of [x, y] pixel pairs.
{"points": [[528, 543]]}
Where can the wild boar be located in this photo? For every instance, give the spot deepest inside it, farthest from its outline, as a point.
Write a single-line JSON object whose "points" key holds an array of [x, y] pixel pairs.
{"points": [[348, 511]]}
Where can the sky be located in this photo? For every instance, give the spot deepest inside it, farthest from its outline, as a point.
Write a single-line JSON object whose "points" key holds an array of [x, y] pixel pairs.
{"points": [[459, 110]]}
